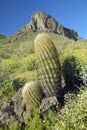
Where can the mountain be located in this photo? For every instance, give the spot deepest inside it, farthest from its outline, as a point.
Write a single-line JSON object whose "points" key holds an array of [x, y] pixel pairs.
{"points": [[17, 67], [44, 22], [40, 22], [2, 36]]}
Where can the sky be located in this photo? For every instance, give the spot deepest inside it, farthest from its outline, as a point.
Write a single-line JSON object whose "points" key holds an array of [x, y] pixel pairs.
{"points": [[70, 13]]}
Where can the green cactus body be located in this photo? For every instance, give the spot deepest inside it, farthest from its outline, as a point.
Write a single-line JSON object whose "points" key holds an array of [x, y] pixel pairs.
{"points": [[32, 94], [48, 65]]}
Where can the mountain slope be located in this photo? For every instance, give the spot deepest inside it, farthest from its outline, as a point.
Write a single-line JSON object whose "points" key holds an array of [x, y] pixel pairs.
{"points": [[17, 66], [40, 22], [44, 22], [2, 36]]}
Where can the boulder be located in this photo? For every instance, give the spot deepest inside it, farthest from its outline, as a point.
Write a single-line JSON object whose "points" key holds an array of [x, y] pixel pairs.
{"points": [[13, 110], [48, 103]]}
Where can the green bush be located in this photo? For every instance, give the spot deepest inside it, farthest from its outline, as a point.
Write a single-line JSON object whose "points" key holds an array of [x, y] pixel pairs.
{"points": [[18, 82], [74, 114], [73, 71], [15, 126], [6, 87], [73, 67], [36, 122], [9, 65], [28, 63]]}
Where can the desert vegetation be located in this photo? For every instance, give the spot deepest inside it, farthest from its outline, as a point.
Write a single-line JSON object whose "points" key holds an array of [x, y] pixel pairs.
{"points": [[17, 66]]}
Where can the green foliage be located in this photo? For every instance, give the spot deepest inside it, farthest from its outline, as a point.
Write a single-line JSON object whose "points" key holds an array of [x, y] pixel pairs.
{"points": [[15, 126], [28, 63], [9, 65], [35, 122], [73, 71], [16, 48], [74, 114], [5, 86], [73, 66], [72, 117], [32, 94], [18, 83], [47, 65]]}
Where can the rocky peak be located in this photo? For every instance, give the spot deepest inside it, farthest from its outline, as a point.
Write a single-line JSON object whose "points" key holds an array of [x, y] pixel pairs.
{"points": [[2, 36], [44, 22]]}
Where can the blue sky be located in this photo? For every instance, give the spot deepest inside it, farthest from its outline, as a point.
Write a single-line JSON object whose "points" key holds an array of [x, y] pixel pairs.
{"points": [[70, 13]]}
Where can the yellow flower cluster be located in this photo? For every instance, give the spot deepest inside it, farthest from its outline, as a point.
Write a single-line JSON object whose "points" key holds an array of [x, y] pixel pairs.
{"points": [[78, 52], [28, 62], [28, 57], [8, 62]]}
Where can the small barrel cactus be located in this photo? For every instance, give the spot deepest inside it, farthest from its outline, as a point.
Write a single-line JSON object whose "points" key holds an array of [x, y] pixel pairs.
{"points": [[47, 65], [32, 94]]}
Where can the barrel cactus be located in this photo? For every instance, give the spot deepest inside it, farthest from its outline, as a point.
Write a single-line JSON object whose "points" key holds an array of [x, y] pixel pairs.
{"points": [[32, 94], [47, 65]]}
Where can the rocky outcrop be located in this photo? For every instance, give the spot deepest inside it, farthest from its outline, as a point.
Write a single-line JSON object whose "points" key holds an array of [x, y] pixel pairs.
{"points": [[13, 110], [44, 22], [2, 36], [48, 103]]}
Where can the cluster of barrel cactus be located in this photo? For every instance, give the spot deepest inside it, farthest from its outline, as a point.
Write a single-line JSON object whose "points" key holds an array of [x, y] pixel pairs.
{"points": [[48, 70]]}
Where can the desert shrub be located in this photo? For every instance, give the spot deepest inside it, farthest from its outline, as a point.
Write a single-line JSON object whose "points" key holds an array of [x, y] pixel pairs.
{"points": [[9, 65], [13, 126], [19, 79], [73, 67], [28, 63], [73, 71], [6, 87], [18, 82], [74, 114], [36, 122], [7, 68], [76, 51]]}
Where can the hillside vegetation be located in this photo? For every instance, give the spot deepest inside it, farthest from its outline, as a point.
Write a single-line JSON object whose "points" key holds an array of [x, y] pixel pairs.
{"points": [[17, 66]]}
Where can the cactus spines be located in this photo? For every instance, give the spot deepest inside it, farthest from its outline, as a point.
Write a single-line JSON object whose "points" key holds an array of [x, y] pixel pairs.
{"points": [[47, 65], [32, 94]]}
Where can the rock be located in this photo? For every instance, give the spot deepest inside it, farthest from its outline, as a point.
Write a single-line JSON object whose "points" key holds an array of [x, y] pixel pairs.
{"points": [[48, 103], [44, 22], [6, 111], [19, 106], [12, 110]]}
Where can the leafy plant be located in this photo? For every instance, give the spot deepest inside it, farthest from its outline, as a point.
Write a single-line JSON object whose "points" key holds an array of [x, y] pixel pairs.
{"points": [[28, 63], [73, 68], [5, 86]]}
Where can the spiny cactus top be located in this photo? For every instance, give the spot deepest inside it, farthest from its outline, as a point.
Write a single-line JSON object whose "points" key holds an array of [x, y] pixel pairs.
{"points": [[48, 65], [32, 94]]}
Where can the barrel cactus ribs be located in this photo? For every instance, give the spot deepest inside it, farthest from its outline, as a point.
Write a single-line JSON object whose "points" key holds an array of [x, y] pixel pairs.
{"points": [[47, 65]]}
